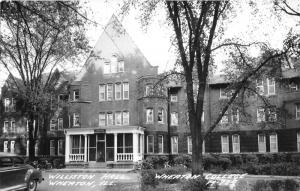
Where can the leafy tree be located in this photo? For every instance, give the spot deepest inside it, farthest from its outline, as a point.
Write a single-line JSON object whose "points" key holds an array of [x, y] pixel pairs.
{"points": [[36, 38]]}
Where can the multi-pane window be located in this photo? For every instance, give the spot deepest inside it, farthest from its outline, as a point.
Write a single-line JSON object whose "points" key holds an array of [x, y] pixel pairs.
{"points": [[224, 119], [160, 115], [13, 105], [13, 126], [298, 111], [125, 90], [60, 123], [150, 144], [174, 98], [76, 119], [5, 146], [109, 92], [273, 143], [235, 117], [271, 86], [260, 86], [77, 144], [298, 141], [102, 92], [223, 93], [113, 64], [101, 119], [118, 91], [149, 115], [52, 125], [6, 104], [121, 66], [225, 143], [106, 68], [160, 144], [6, 126], [261, 115], [12, 146], [118, 118], [125, 118], [189, 144], [235, 143], [110, 118], [174, 118], [60, 147], [293, 86], [75, 95], [148, 89], [262, 143], [272, 114], [174, 144], [52, 148]]}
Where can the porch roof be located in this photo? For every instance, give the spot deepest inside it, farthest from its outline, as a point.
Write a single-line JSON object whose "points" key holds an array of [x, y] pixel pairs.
{"points": [[105, 129]]}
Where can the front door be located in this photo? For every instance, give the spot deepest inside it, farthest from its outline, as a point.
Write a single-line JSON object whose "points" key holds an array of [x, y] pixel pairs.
{"points": [[101, 148]]}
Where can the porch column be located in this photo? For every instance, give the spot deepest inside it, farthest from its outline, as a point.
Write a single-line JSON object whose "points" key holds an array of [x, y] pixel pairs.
{"points": [[115, 146], [135, 146], [67, 149], [85, 148]]}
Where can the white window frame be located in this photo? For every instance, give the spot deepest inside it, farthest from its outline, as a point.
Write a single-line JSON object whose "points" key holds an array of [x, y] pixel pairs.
{"points": [[174, 97], [297, 111], [149, 115], [202, 116], [269, 80], [225, 146], [52, 125], [76, 115], [118, 118], [189, 144], [6, 128], [12, 146], [236, 145], [60, 150], [60, 123], [161, 143], [263, 117], [74, 95], [6, 105], [13, 126], [298, 141], [121, 66], [5, 146], [160, 111], [52, 148], [148, 89], [262, 148], [148, 144], [118, 90], [102, 90], [13, 104], [102, 119], [106, 68], [276, 143], [109, 92], [235, 114], [272, 112], [108, 116], [174, 144], [125, 91], [125, 120], [260, 86], [174, 118], [114, 64]]}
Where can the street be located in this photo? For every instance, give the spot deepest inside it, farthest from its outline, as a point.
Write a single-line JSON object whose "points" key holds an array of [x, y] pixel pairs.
{"points": [[89, 181]]}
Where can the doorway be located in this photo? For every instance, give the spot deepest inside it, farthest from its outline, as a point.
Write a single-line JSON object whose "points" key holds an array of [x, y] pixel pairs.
{"points": [[100, 148]]}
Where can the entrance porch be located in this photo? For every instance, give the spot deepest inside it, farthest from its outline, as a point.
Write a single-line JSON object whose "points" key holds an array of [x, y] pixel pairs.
{"points": [[111, 146]]}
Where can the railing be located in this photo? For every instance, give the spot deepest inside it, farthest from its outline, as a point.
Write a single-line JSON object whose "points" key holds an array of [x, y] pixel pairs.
{"points": [[76, 157], [124, 156]]}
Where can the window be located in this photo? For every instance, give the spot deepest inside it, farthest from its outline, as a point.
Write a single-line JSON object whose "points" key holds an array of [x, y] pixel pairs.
{"points": [[102, 92], [272, 115], [150, 144], [6, 126], [235, 116], [203, 146], [262, 143], [13, 105], [101, 119], [110, 118], [225, 143], [273, 143], [76, 119], [77, 144], [189, 144], [235, 143], [202, 116], [271, 86], [224, 119], [125, 117], [149, 115], [298, 111], [174, 98], [60, 147], [174, 144], [174, 118], [52, 125], [106, 68], [261, 115], [126, 90], [121, 66], [109, 92], [293, 86], [160, 144], [5, 146], [118, 91], [6, 104], [12, 146], [118, 118], [160, 115], [148, 90], [76, 95], [60, 123], [52, 148], [13, 126], [223, 93], [260, 87], [113, 64], [298, 141]]}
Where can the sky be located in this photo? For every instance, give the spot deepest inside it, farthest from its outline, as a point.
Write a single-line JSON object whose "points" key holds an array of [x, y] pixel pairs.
{"points": [[155, 42]]}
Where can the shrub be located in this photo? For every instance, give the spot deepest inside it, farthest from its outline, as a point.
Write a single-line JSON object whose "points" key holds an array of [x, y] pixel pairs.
{"points": [[280, 157], [295, 158], [209, 161], [266, 158], [261, 185], [198, 184], [58, 163], [251, 158], [183, 160], [236, 160], [155, 162], [147, 165], [252, 168], [148, 179], [176, 170], [275, 185], [225, 163]]}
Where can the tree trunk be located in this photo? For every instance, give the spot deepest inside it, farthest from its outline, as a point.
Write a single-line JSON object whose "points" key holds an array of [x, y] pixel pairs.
{"points": [[43, 135], [31, 139], [197, 163]]}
